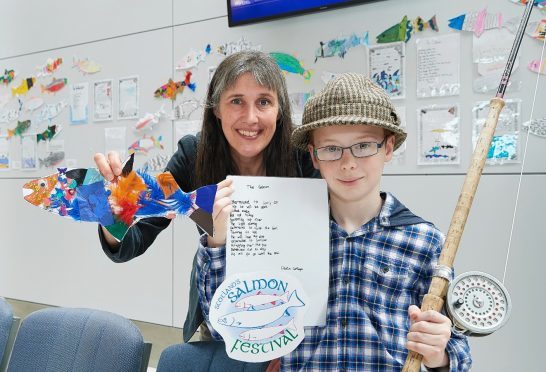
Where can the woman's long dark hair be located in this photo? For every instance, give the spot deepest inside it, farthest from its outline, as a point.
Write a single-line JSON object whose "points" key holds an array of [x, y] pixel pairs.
{"points": [[214, 161]]}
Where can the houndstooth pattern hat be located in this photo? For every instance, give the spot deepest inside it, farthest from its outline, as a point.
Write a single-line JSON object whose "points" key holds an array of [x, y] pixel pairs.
{"points": [[349, 99]]}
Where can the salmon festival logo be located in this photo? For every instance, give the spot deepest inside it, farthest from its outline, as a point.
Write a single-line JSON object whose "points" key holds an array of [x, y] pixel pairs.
{"points": [[259, 315]]}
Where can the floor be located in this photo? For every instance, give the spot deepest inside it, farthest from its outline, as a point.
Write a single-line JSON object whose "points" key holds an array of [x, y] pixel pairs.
{"points": [[160, 336]]}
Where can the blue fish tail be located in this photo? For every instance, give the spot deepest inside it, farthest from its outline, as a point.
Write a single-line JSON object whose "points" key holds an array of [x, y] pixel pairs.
{"points": [[204, 197]]}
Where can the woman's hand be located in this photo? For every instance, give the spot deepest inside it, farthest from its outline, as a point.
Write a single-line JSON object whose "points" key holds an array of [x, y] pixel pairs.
{"points": [[428, 335], [109, 166], [220, 213]]}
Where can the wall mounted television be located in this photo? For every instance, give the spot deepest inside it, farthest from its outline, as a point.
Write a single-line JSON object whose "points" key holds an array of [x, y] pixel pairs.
{"points": [[242, 12]]}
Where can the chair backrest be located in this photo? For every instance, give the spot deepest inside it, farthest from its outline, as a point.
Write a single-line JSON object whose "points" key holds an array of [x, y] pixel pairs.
{"points": [[65, 339], [8, 329]]}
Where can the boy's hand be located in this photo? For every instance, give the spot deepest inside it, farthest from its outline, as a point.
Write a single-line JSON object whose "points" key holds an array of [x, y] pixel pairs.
{"points": [[428, 335], [220, 213]]}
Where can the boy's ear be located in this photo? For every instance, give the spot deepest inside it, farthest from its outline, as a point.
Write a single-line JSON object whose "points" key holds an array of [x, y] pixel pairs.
{"points": [[389, 147], [313, 158]]}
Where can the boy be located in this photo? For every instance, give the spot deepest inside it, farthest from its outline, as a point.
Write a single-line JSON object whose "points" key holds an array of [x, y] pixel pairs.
{"points": [[382, 256]]}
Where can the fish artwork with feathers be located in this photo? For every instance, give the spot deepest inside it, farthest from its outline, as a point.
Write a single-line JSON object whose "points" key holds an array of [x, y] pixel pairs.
{"points": [[84, 195]]}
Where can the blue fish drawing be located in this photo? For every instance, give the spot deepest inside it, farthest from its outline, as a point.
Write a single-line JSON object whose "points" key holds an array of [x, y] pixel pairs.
{"points": [[84, 195]]}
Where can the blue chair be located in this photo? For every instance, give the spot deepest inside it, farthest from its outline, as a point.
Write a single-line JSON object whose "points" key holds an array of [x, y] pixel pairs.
{"points": [[8, 329], [203, 356], [65, 339]]}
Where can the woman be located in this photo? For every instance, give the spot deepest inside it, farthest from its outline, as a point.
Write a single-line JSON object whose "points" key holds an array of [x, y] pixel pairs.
{"points": [[246, 131]]}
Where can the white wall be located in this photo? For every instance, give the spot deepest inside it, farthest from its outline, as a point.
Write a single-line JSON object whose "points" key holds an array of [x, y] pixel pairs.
{"points": [[59, 262]]}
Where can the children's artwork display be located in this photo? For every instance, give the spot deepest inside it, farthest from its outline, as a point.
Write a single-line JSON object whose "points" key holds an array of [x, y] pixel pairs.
{"points": [[172, 88], [115, 140], [143, 145], [86, 66], [5, 154], [227, 49], [260, 315], [128, 98], [269, 215], [491, 51], [536, 127], [84, 195], [290, 64], [29, 160], [438, 135], [185, 109], [79, 103], [438, 66], [387, 68], [505, 143], [340, 46], [476, 22], [537, 29], [403, 30], [103, 109], [55, 154]]}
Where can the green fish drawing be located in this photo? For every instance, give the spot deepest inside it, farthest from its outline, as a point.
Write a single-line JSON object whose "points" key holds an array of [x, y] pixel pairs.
{"points": [[289, 63], [22, 127]]}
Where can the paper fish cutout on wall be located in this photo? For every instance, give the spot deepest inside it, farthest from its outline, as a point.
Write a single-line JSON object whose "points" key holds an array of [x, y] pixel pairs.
{"points": [[49, 111], [403, 30], [8, 77], [289, 63], [171, 89], [50, 66], [540, 4], [84, 195], [340, 46], [48, 134], [537, 66], [22, 127], [24, 87], [229, 48], [476, 22], [193, 58], [537, 30], [55, 85], [52, 160], [145, 144], [536, 127], [8, 116], [156, 164], [185, 109], [86, 66], [147, 122], [34, 103]]}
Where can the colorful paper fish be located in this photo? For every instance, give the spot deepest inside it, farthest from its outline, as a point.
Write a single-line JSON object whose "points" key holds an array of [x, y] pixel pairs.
{"points": [[540, 4], [86, 66], [48, 134], [193, 58], [8, 77], [537, 30], [403, 30], [229, 48], [49, 111], [50, 66], [24, 87], [147, 122], [22, 127], [171, 89], [538, 66], [84, 195], [340, 46], [55, 85], [476, 22], [52, 160], [289, 63], [145, 144]]}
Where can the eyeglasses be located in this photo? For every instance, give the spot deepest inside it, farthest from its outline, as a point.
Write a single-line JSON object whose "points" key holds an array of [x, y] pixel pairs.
{"points": [[359, 150]]}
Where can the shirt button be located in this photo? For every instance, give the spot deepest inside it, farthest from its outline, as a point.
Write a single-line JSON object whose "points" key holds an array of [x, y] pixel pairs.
{"points": [[344, 323], [346, 280]]}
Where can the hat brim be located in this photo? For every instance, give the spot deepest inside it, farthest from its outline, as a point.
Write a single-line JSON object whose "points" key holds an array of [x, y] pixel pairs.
{"points": [[301, 136]]}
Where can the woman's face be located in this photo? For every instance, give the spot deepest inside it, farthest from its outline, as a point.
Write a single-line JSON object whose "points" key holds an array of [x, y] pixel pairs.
{"points": [[248, 113]]}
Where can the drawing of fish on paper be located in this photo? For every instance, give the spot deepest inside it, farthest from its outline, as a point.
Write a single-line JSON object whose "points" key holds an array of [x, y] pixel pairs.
{"points": [[8, 76], [86, 66], [537, 66], [145, 144], [53, 159], [24, 87], [185, 109], [476, 22], [231, 47], [537, 30], [20, 129], [403, 30], [48, 134], [149, 120], [84, 195], [340, 46], [536, 127], [50, 66], [171, 89], [49, 111], [55, 85], [290, 64], [193, 58]]}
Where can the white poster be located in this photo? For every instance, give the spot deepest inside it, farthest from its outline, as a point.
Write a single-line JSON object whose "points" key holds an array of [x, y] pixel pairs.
{"points": [[438, 135], [282, 225], [28, 153], [387, 67], [115, 140], [79, 103], [103, 108], [128, 98], [438, 66]]}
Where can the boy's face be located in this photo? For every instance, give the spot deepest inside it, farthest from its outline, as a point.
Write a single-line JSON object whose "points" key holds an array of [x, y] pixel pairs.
{"points": [[350, 178]]}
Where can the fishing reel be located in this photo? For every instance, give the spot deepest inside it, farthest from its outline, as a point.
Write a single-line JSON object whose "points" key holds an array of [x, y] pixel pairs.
{"points": [[477, 303]]}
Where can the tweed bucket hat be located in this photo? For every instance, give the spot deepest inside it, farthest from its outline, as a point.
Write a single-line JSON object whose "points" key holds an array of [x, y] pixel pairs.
{"points": [[349, 99]]}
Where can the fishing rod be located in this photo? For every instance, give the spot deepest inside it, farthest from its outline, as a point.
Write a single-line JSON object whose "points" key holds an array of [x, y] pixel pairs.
{"points": [[477, 302]]}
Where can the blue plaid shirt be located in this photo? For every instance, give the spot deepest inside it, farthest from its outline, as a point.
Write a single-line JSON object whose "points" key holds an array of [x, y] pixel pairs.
{"points": [[375, 274]]}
